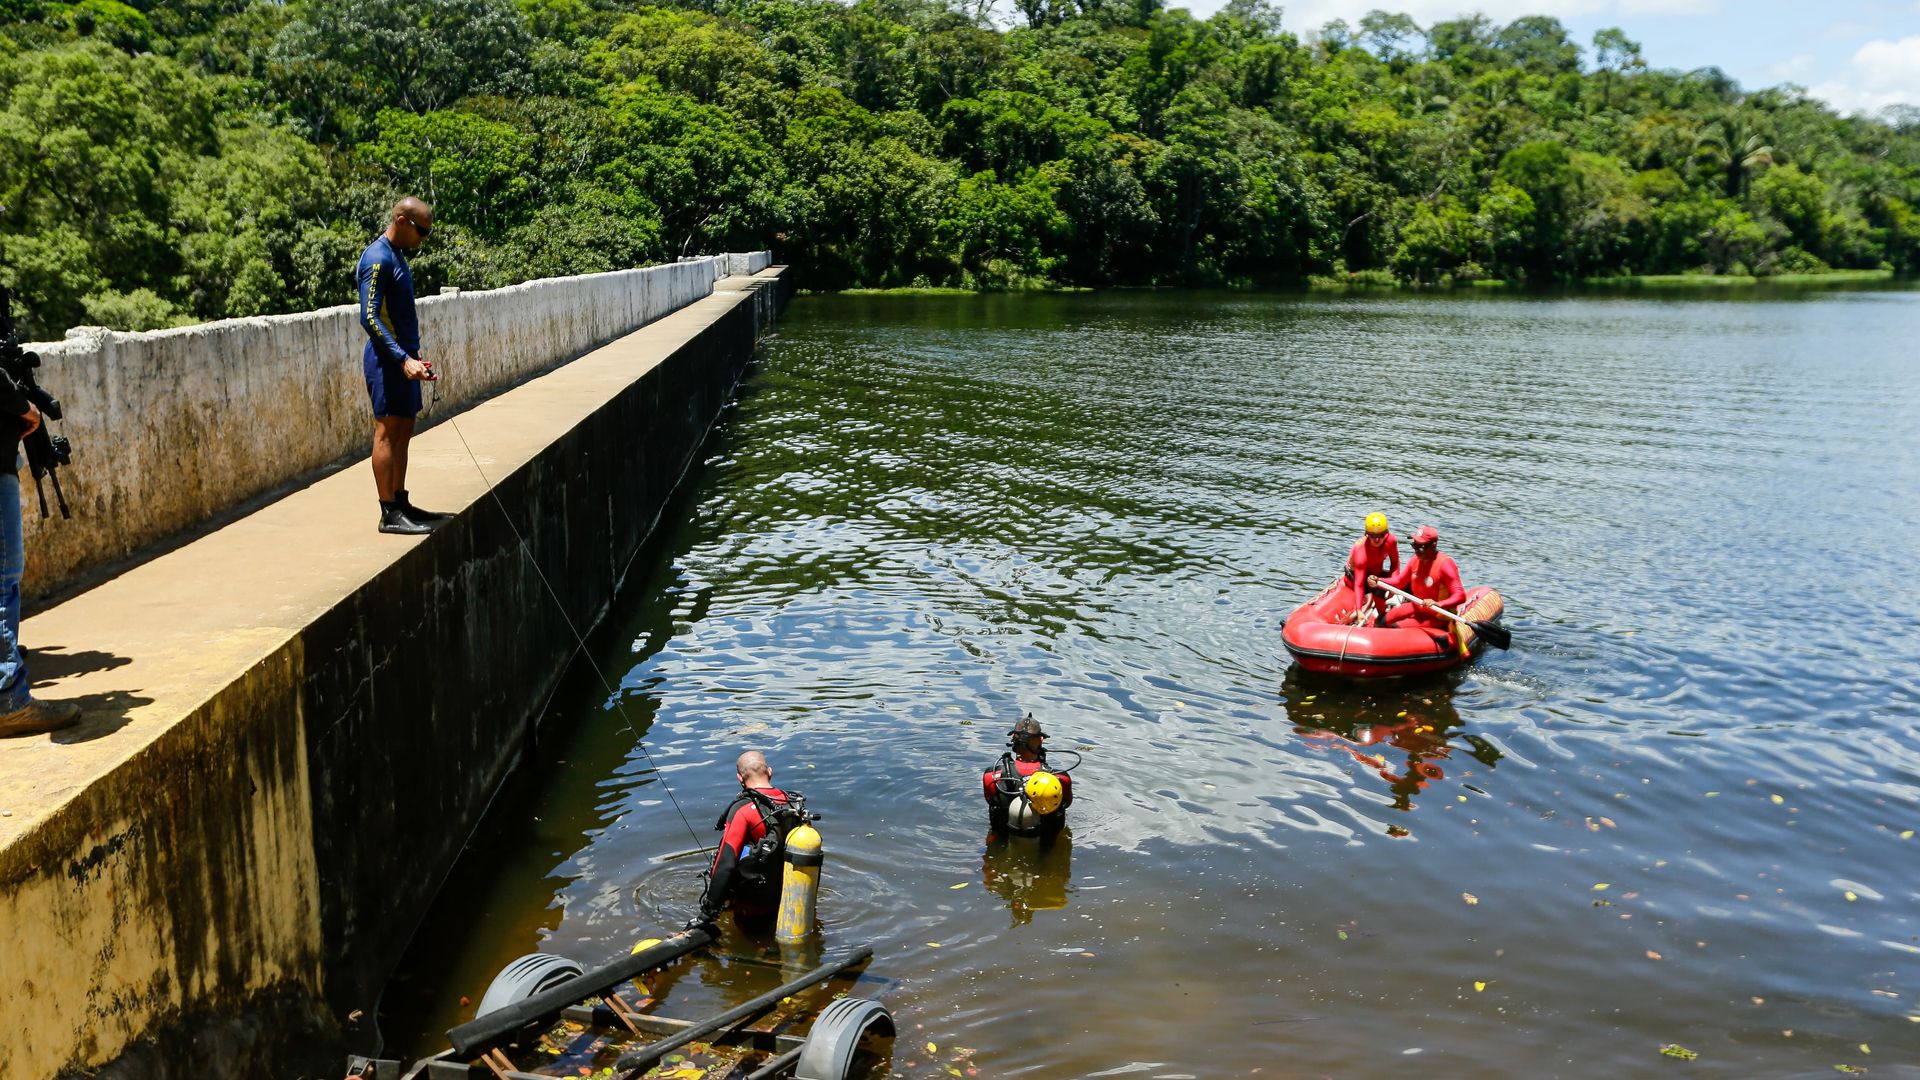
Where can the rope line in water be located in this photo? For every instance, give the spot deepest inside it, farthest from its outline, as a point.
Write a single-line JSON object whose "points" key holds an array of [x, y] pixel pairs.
{"points": [[579, 639]]}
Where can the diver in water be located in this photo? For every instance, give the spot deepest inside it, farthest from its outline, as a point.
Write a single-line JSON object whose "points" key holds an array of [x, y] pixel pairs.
{"points": [[1025, 797], [745, 875]]}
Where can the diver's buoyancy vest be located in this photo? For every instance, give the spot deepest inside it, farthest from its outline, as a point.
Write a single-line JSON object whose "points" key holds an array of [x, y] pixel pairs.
{"points": [[1009, 791], [757, 874]]}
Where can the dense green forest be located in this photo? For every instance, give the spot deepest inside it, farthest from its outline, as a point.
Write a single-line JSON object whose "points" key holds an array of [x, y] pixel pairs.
{"points": [[174, 161]]}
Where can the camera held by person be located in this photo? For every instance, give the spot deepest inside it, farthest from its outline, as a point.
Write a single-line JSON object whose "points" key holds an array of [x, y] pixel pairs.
{"points": [[46, 452]]}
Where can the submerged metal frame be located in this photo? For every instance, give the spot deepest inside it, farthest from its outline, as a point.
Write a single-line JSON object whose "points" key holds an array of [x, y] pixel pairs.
{"points": [[478, 1047]]}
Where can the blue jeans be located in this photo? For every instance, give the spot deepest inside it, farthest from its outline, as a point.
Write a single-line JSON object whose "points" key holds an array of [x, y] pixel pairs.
{"points": [[13, 563]]}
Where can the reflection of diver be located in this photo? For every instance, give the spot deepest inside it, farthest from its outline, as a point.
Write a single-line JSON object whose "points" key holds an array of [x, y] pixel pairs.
{"points": [[1421, 722], [1025, 796], [1030, 877]]}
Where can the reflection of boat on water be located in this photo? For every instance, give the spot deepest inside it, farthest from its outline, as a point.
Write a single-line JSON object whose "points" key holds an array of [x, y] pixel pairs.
{"points": [[1030, 877], [1406, 737], [1321, 639]]}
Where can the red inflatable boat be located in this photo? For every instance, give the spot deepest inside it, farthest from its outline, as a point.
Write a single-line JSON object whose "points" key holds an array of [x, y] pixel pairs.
{"points": [[1320, 639]]}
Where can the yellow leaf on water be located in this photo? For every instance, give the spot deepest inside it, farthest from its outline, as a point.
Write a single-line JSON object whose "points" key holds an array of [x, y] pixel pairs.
{"points": [[1864, 1049], [1908, 835], [1478, 986], [1852, 896], [1651, 955], [933, 944], [1759, 1001], [1712, 794], [1462, 798], [1777, 799], [962, 885], [1601, 887], [1469, 898], [932, 1049]]}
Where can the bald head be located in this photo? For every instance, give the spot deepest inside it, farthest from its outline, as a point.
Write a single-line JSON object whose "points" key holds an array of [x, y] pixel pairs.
{"points": [[411, 222], [753, 769]]}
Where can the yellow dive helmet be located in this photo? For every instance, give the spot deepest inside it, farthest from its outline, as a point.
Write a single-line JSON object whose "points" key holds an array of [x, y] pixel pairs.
{"points": [[1376, 523], [1043, 791]]}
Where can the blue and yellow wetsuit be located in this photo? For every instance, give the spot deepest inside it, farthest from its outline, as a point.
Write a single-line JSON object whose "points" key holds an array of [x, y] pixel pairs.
{"points": [[393, 329]]}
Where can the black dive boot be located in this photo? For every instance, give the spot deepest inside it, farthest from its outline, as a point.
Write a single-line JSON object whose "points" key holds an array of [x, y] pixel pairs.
{"points": [[424, 517], [394, 519]]}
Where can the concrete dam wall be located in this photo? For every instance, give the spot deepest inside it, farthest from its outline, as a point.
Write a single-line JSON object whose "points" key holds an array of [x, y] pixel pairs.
{"points": [[172, 427], [293, 724]]}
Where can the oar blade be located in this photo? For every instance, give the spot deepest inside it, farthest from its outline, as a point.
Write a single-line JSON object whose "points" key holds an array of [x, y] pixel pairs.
{"points": [[1494, 634]]}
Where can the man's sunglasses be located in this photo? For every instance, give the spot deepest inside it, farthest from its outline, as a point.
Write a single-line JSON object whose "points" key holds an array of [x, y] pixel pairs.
{"points": [[423, 230]]}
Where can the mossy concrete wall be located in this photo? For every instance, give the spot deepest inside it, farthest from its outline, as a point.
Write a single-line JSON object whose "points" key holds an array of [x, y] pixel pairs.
{"points": [[173, 427], [293, 724]]}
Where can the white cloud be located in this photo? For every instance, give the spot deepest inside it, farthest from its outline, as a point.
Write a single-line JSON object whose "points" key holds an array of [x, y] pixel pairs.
{"points": [[1792, 67], [1881, 73]]}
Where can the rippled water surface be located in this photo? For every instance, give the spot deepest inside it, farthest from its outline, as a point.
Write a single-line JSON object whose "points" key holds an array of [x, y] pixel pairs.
{"points": [[1680, 812]]}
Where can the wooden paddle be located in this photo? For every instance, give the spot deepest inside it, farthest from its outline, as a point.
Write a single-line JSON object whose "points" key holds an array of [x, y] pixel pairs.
{"points": [[1496, 635]]}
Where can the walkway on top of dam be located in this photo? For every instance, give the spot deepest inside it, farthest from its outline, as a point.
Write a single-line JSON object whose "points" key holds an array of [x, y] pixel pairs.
{"points": [[144, 650]]}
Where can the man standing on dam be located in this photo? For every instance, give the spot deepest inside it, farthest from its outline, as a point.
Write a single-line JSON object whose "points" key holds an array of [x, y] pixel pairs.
{"points": [[392, 362]]}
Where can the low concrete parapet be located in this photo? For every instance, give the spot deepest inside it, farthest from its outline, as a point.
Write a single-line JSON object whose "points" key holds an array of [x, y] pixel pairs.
{"points": [[173, 427], [293, 724]]}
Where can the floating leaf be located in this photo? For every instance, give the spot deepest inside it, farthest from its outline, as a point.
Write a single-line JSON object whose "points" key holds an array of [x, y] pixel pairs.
{"points": [[1848, 1069], [1713, 794], [1777, 799], [1864, 1049], [1601, 887], [1759, 1001], [1608, 822], [933, 944], [1907, 835], [1852, 896], [962, 885], [1478, 986], [932, 1049], [1651, 955], [1675, 1050], [1343, 934], [1469, 898]]}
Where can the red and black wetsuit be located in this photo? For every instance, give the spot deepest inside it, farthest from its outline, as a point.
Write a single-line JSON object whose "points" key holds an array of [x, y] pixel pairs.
{"points": [[1379, 561], [744, 826], [1436, 579], [997, 803]]}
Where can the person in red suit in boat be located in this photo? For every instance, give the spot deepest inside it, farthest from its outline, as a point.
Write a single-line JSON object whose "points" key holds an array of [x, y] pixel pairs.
{"points": [[1432, 577]]}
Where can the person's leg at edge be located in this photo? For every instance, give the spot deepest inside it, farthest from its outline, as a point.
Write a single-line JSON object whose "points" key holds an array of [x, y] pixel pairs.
{"points": [[402, 438], [13, 564], [20, 714], [385, 434]]}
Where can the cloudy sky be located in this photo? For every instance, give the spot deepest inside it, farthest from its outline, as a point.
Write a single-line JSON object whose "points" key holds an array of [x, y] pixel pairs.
{"points": [[1856, 54]]}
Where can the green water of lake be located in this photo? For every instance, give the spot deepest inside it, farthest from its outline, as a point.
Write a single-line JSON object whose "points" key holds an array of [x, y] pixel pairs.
{"points": [[1680, 812]]}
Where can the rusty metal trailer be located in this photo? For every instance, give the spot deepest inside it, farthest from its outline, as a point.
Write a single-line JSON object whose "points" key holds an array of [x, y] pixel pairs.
{"points": [[539, 994]]}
